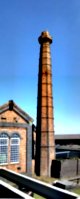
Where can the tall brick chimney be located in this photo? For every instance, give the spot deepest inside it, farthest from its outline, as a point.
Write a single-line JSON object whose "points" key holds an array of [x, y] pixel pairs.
{"points": [[45, 148]]}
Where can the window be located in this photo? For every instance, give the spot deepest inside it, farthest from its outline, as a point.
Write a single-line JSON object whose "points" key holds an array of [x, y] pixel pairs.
{"points": [[3, 148], [14, 145], [9, 148]]}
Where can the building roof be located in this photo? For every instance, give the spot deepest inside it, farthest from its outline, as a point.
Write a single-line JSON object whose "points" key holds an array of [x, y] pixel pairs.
{"points": [[11, 105], [67, 136], [67, 139]]}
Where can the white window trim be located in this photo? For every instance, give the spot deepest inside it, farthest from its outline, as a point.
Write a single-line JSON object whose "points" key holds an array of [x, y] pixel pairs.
{"points": [[3, 138], [14, 139], [18, 138]]}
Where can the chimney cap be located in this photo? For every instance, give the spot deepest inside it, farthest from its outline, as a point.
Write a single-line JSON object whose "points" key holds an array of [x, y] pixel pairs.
{"points": [[44, 37], [11, 103]]}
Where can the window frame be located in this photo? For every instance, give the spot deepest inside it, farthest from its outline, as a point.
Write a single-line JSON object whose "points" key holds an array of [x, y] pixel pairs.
{"points": [[14, 137], [3, 136]]}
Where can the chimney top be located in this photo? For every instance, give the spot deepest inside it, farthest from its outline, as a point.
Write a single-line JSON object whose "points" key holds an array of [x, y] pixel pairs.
{"points": [[44, 37], [11, 103]]}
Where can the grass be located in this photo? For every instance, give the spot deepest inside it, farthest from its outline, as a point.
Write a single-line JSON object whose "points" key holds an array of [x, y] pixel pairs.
{"points": [[43, 179], [38, 197], [76, 190], [50, 180]]}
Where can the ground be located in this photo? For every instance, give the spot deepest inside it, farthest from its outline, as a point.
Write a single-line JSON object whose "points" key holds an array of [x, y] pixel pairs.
{"points": [[50, 180]]}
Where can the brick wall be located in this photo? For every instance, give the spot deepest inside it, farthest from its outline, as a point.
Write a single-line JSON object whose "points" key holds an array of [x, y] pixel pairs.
{"points": [[11, 116]]}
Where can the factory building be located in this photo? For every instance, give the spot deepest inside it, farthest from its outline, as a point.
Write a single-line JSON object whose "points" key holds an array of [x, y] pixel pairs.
{"points": [[15, 138]]}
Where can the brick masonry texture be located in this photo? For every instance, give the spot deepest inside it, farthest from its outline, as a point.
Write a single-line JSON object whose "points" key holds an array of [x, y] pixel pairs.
{"points": [[11, 116], [45, 150]]}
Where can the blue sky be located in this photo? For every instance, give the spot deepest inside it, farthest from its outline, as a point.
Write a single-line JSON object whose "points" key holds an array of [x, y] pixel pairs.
{"points": [[21, 23]]}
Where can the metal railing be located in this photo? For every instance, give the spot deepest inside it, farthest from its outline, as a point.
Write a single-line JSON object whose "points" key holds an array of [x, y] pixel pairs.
{"points": [[43, 189], [8, 191]]}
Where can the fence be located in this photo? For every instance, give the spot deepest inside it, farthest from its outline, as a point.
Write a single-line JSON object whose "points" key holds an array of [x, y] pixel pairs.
{"points": [[46, 190]]}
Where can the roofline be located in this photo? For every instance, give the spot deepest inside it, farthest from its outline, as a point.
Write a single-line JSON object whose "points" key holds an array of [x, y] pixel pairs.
{"points": [[67, 136], [11, 105]]}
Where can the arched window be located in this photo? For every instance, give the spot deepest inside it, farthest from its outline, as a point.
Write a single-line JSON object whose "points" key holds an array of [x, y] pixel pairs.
{"points": [[4, 141], [14, 148]]}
